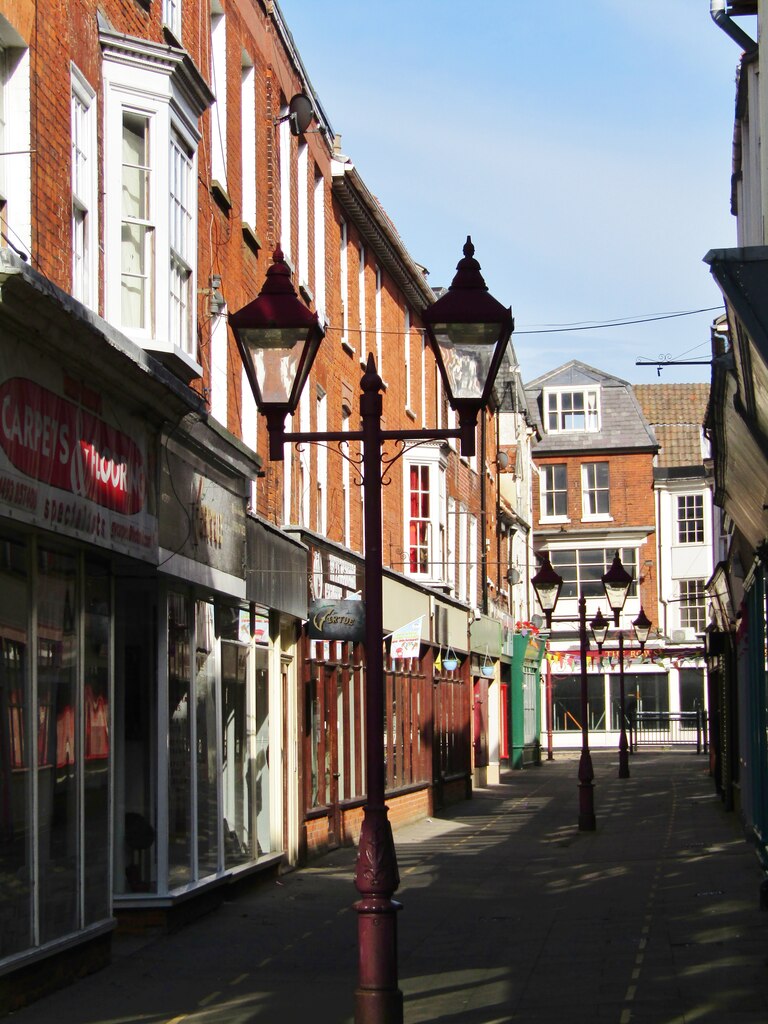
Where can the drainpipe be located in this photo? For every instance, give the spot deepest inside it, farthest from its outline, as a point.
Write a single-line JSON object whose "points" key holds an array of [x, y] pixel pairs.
{"points": [[719, 13]]}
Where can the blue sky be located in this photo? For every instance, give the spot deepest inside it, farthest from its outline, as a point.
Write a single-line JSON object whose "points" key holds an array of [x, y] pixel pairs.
{"points": [[586, 148]]}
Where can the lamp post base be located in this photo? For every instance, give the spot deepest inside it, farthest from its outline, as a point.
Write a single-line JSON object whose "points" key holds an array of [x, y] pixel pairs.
{"points": [[623, 757], [378, 1000], [587, 821]]}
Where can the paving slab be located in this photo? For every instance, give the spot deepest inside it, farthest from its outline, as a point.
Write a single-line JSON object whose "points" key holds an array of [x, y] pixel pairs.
{"points": [[510, 915]]}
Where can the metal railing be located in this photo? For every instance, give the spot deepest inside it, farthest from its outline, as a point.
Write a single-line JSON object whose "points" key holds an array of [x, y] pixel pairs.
{"points": [[669, 728]]}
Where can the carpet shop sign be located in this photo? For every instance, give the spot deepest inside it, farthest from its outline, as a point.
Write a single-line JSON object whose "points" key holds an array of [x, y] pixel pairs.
{"points": [[68, 469]]}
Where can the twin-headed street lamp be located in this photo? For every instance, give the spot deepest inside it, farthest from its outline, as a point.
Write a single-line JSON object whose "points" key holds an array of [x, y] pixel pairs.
{"points": [[642, 627], [547, 585], [278, 339]]}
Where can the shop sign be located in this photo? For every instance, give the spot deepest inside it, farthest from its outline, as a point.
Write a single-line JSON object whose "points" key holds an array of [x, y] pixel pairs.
{"points": [[65, 468], [336, 620], [333, 577], [200, 518]]}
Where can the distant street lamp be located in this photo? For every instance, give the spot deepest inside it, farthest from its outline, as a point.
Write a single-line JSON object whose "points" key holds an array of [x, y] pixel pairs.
{"points": [[547, 584], [642, 626], [278, 339]]}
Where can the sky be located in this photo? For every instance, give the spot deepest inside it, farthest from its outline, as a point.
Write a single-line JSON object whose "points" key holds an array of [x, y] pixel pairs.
{"points": [[585, 147]]}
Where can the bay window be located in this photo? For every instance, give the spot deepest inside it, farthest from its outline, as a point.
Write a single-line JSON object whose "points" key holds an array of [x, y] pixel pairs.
{"points": [[153, 99]]}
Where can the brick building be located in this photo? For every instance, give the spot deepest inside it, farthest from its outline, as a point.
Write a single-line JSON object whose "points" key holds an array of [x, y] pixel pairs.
{"points": [[166, 726], [594, 457]]}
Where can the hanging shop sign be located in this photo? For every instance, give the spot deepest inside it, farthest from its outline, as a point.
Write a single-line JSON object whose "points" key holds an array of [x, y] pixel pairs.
{"points": [[336, 620], [64, 467]]}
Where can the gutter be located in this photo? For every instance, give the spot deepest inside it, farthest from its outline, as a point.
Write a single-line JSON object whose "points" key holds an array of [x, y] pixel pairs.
{"points": [[718, 10]]}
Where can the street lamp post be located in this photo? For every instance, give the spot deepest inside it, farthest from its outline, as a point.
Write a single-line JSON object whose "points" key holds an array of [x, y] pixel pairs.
{"points": [[278, 339], [547, 584], [616, 583]]}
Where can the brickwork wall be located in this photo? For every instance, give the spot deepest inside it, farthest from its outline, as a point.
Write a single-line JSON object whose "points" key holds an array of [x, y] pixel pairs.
{"points": [[632, 503]]}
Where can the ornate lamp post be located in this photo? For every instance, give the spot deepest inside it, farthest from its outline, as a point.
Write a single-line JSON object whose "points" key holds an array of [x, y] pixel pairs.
{"points": [[278, 340], [547, 584], [617, 582]]}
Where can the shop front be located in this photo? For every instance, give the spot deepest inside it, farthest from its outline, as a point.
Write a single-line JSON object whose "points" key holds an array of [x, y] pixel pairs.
{"points": [[79, 436]]}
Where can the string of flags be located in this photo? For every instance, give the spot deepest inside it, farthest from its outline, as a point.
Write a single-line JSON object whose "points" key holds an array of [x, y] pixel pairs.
{"points": [[609, 660]]}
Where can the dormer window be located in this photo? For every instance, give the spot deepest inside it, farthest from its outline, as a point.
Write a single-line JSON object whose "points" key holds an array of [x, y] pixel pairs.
{"points": [[572, 410]]}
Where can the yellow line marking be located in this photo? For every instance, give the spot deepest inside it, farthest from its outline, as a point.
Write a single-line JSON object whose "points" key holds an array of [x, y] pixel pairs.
{"points": [[630, 993], [626, 1017], [635, 974], [175, 1020], [264, 963], [209, 999], [237, 981]]}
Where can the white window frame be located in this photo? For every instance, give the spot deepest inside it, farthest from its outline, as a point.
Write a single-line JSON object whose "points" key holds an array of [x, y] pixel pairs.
{"points": [[219, 87], [408, 368], [693, 604], [377, 305], [361, 303], [319, 246], [591, 562], [562, 403], [453, 526], [546, 492], [592, 494], [305, 465], [15, 141], [346, 416], [85, 205], [248, 141], [430, 458], [145, 81], [344, 282], [183, 201], [322, 463], [686, 522], [172, 16], [285, 185], [472, 566], [302, 171], [219, 364]]}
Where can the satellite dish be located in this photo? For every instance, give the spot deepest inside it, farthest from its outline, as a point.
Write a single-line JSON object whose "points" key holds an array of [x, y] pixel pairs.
{"points": [[300, 113]]}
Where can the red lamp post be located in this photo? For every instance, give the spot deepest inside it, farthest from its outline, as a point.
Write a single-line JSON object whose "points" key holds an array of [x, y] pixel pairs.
{"points": [[278, 340], [617, 582], [547, 584]]}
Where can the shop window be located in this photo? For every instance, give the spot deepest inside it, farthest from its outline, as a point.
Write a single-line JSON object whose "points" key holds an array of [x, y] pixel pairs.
{"points": [[58, 825], [96, 675], [16, 725], [135, 748], [179, 741]]}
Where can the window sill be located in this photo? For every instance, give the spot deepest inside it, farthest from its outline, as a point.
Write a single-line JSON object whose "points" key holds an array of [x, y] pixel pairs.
{"points": [[250, 238], [306, 294], [554, 520], [347, 347], [602, 518], [410, 413], [221, 196]]}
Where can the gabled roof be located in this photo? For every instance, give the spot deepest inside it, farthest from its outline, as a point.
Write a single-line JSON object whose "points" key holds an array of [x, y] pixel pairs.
{"points": [[622, 424], [676, 413]]}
